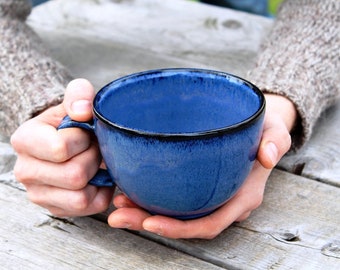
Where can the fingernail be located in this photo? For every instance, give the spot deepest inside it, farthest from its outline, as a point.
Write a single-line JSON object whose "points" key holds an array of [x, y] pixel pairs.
{"points": [[81, 106], [120, 225], [126, 226], [153, 229], [120, 205], [272, 152]]}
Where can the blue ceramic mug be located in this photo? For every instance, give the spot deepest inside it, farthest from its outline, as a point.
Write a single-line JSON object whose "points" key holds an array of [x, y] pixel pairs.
{"points": [[177, 142]]}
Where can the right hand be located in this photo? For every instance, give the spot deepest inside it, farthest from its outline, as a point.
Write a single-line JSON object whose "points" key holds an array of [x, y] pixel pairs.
{"points": [[280, 118], [56, 165]]}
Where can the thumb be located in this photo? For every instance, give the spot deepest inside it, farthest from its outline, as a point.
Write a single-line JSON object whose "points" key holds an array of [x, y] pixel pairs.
{"points": [[78, 99], [275, 142]]}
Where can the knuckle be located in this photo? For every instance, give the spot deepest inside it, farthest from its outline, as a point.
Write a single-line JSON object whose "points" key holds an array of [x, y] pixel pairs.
{"points": [[283, 142], [102, 204], [288, 141], [34, 198], [19, 138], [257, 202], [211, 229], [80, 201], [76, 175], [15, 140], [59, 150], [18, 173], [244, 217], [21, 174]]}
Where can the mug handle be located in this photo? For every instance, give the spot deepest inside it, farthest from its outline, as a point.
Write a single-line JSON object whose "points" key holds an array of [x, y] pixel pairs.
{"points": [[102, 177]]}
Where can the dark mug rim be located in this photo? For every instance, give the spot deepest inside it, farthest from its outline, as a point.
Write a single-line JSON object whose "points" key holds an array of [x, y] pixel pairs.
{"points": [[186, 135]]}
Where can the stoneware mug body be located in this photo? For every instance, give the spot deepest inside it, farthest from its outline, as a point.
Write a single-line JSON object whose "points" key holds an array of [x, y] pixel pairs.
{"points": [[177, 142]]}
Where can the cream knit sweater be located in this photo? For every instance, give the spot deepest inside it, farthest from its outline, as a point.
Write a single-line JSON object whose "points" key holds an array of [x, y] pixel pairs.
{"points": [[300, 60]]}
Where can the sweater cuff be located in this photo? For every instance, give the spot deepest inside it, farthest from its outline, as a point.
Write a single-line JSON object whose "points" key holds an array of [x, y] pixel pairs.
{"points": [[30, 81], [15, 9], [300, 61]]}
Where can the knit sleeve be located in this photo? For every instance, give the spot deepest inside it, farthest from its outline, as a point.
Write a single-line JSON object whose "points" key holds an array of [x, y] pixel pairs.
{"points": [[30, 81], [300, 60]]}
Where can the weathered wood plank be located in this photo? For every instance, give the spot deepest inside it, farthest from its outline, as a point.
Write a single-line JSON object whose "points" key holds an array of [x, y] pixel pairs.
{"points": [[296, 227], [30, 239], [220, 38], [320, 158], [101, 61]]}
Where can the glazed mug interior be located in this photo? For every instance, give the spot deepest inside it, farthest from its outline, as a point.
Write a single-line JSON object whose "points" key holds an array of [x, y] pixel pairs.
{"points": [[174, 103]]}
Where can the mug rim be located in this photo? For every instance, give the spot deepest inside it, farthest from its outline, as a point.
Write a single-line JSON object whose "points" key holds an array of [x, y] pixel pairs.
{"points": [[185, 135]]}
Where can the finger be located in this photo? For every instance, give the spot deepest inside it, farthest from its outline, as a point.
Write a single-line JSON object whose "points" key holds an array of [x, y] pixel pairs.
{"points": [[172, 228], [67, 203], [275, 142], [128, 218], [121, 201], [78, 99], [204, 228], [39, 138], [243, 217], [207, 227], [73, 174]]}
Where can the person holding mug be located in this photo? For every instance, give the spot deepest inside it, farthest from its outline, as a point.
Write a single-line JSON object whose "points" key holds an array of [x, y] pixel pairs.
{"points": [[56, 173]]}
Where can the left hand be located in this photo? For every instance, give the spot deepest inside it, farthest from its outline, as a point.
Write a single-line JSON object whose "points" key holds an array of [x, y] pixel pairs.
{"points": [[276, 141], [56, 165]]}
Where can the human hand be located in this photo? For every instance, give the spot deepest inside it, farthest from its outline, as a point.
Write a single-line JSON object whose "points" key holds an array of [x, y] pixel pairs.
{"points": [[55, 165], [279, 120]]}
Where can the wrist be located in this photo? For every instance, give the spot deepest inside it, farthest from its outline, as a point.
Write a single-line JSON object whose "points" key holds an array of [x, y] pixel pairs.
{"points": [[282, 106]]}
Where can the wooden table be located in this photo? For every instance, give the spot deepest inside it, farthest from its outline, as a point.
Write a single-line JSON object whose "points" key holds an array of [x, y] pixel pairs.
{"points": [[298, 224]]}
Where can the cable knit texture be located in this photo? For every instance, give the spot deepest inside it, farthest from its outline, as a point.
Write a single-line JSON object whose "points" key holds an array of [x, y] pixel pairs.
{"points": [[30, 81], [300, 59]]}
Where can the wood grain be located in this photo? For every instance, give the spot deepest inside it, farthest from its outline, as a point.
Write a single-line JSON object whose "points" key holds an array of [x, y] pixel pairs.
{"points": [[199, 34], [296, 227], [320, 158], [31, 239]]}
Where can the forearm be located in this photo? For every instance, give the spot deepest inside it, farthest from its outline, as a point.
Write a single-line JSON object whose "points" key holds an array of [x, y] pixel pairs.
{"points": [[30, 81], [300, 60]]}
